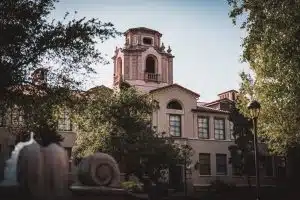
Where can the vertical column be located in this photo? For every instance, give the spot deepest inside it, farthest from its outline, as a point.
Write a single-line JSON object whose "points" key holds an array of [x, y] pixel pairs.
{"points": [[211, 127]]}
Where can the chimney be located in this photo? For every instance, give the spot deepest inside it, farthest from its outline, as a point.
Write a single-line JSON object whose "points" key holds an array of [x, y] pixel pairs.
{"points": [[231, 95]]}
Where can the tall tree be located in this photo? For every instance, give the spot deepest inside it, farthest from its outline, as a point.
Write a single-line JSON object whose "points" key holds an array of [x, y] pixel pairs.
{"points": [[242, 151], [119, 123], [30, 40], [271, 47]]}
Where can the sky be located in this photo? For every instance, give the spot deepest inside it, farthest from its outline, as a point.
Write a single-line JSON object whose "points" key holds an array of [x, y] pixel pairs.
{"points": [[205, 43]]}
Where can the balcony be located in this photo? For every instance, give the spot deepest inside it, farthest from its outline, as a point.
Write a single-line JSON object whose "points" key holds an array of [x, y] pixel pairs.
{"points": [[152, 77]]}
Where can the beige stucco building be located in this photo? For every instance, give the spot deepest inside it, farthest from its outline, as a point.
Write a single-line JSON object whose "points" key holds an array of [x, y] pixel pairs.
{"points": [[144, 62]]}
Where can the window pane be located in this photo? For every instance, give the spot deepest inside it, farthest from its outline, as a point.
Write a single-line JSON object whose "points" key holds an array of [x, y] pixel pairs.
{"points": [[219, 129], [221, 162], [269, 165], [204, 164], [64, 122], [203, 128], [175, 125]]}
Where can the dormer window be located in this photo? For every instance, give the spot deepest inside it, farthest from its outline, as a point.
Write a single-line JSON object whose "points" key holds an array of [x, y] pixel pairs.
{"points": [[147, 41]]}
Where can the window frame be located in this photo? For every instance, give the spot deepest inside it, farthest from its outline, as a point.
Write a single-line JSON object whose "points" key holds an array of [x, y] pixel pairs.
{"points": [[203, 128], [207, 165], [224, 165], [272, 166], [180, 125], [147, 38], [66, 116], [219, 129]]}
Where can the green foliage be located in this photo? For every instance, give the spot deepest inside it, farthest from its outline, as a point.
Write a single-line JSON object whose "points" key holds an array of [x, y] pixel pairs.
{"points": [[271, 47], [31, 40], [119, 123], [242, 150], [132, 186]]}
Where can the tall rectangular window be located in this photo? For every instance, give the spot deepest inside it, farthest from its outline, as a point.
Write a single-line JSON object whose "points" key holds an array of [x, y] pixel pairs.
{"points": [[269, 165], [64, 122], [204, 164], [203, 127], [175, 125], [219, 129], [231, 131], [221, 164]]}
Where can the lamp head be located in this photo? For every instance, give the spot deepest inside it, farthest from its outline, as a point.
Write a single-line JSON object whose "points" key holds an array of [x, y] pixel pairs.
{"points": [[254, 107]]}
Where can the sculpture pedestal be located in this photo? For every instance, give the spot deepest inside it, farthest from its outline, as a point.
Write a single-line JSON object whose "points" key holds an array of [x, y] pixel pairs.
{"points": [[80, 192]]}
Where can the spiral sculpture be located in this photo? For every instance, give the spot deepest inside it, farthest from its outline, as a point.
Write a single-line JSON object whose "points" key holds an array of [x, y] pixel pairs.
{"points": [[99, 169]]}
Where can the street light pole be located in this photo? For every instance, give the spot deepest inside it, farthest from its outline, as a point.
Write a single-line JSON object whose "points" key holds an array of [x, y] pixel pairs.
{"points": [[185, 179], [254, 108], [256, 159]]}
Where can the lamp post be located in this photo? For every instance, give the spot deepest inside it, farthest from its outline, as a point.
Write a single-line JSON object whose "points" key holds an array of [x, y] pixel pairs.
{"points": [[254, 107]]}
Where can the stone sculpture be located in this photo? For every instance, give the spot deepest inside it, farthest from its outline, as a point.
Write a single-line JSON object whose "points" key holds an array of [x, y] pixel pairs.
{"points": [[99, 169]]}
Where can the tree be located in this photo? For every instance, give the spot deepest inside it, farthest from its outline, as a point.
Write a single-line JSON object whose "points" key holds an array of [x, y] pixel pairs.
{"points": [[271, 47], [242, 151], [120, 124], [30, 40]]}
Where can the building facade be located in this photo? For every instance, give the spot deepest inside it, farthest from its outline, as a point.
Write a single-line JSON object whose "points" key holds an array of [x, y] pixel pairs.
{"points": [[145, 63]]}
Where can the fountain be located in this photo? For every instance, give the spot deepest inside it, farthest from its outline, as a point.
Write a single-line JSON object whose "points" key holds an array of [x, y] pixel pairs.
{"points": [[10, 171], [42, 173]]}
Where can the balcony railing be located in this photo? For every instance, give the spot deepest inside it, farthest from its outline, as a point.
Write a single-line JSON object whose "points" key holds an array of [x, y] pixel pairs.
{"points": [[152, 77]]}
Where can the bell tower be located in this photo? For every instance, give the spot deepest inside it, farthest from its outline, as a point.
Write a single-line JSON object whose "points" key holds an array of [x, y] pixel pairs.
{"points": [[143, 62]]}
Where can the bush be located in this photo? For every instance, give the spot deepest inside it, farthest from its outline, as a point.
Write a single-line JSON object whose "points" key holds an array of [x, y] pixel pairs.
{"points": [[132, 186]]}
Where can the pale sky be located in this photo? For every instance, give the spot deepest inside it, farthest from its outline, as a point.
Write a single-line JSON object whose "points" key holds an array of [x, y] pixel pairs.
{"points": [[205, 43]]}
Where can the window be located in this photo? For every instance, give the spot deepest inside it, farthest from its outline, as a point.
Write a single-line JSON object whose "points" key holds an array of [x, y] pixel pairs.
{"points": [[175, 125], [268, 165], [147, 41], [221, 164], [231, 131], [174, 105], [17, 117], [203, 127], [150, 64], [219, 129], [204, 164], [64, 122], [69, 153]]}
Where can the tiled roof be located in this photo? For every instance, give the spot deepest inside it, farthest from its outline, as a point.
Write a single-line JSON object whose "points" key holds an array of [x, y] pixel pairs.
{"points": [[142, 29], [228, 91], [217, 101], [175, 85], [208, 109]]}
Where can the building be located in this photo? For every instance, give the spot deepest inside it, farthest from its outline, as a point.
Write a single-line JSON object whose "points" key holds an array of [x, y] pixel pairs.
{"points": [[145, 63]]}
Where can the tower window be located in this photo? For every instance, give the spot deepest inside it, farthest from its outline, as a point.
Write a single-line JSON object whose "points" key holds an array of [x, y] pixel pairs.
{"points": [[150, 64], [147, 41]]}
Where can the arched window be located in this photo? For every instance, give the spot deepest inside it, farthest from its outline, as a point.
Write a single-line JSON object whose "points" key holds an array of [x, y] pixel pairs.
{"points": [[150, 64], [119, 66], [174, 105]]}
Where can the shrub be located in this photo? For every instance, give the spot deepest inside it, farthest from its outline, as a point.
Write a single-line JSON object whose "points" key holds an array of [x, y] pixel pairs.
{"points": [[132, 186]]}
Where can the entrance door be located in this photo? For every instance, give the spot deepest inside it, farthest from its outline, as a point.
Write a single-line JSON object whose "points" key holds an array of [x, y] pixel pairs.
{"points": [[176, 178]]}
